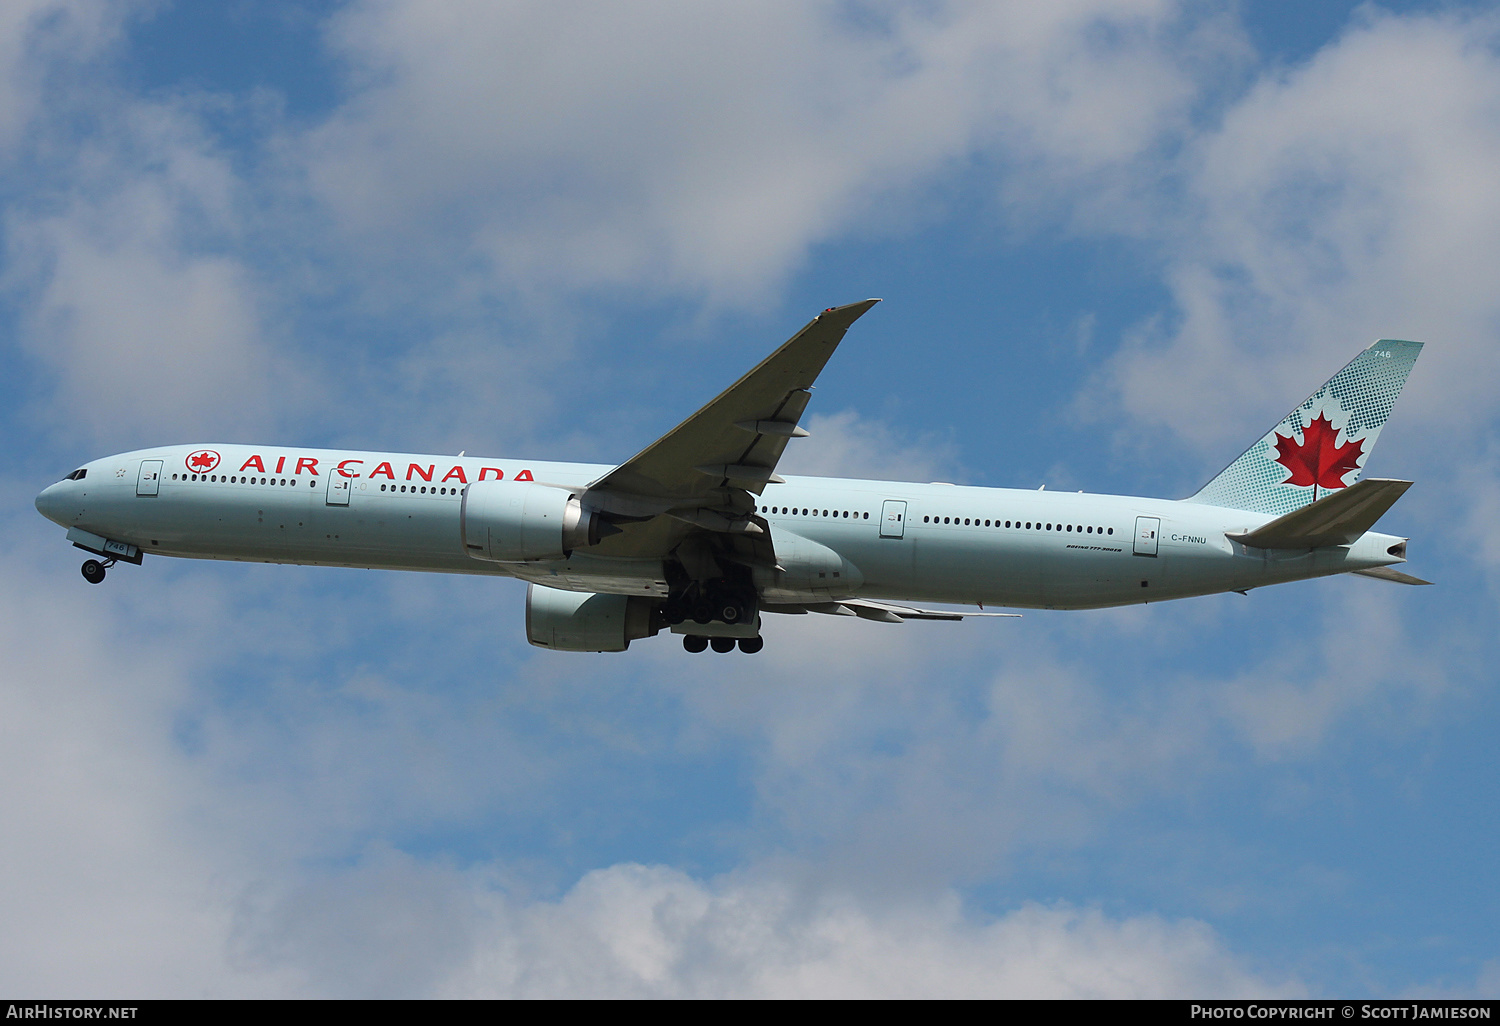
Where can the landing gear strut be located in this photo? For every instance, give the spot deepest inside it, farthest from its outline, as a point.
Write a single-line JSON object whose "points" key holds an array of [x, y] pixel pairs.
{"points": [[93, 570], [703, 602]]}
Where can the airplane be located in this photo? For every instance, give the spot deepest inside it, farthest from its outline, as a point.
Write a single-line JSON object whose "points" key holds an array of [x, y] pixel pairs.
{"points": [[699, 536]]}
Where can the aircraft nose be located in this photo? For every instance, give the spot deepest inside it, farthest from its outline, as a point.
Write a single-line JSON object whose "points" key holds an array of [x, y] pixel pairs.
{"points": [[52, 503]]}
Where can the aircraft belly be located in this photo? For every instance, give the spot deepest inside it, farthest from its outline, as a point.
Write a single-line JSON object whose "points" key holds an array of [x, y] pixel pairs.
{"points": [[252, 523], [602, 575], [385, 531]]}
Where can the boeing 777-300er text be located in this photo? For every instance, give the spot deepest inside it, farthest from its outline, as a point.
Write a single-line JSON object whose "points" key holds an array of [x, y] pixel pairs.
{"points": [[698, 534]]}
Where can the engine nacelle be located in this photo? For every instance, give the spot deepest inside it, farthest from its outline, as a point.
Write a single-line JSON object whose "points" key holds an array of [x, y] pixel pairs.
{"points": [[581, 621], [521, 521]]}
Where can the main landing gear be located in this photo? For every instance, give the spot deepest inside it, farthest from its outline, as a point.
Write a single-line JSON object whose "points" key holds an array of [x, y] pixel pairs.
{"points": [[93, 570], [704, 609], [697, 643], [722, 606]]}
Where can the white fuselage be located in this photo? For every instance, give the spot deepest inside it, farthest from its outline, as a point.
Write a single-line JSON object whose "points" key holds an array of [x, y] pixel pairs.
{"points": [[835, 538]]}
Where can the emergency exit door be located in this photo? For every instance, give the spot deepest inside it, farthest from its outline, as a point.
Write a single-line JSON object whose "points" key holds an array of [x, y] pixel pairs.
{"points": [[893, 518], [149, 481], [1146, 531]]}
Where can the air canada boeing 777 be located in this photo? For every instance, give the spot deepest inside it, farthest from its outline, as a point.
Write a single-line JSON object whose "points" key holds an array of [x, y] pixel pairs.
{"points": [[698, 534]]}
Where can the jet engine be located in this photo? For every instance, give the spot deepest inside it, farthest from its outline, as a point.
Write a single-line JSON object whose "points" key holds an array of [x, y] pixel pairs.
{"points": [[581, 621], [522, 521]]}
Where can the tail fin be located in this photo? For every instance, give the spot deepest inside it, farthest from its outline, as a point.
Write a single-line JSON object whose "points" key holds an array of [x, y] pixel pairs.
{"points": [[1302, 458]]}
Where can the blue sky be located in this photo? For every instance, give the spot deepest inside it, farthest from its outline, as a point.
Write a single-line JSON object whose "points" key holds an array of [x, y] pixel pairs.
{"points": [[1116, 239]]}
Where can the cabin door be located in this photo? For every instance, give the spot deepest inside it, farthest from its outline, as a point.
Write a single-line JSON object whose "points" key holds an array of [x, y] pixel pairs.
{"points": [[149, 483], [1147, 529], [893, 518]]}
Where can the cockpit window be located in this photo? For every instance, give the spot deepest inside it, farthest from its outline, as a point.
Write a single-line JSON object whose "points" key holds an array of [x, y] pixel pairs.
{"points": [[77, 475]]}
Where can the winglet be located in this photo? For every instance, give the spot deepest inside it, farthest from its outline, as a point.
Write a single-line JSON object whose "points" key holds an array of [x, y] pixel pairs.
{"points": [[854, 311]]}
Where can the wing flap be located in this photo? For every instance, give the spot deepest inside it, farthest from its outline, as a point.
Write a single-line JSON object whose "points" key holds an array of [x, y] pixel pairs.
{"points": [[884, 612]]}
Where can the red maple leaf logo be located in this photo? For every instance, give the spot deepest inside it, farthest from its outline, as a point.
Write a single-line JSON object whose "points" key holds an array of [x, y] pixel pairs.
{"points": [[203, 460], [1319, 459]]}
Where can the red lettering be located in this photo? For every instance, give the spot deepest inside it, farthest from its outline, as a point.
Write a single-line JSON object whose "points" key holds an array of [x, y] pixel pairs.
{"points": [[280, 463], [499, 474], [524, 475], [457, 472], [308, 462], [345, 464], [254, 461], [384, 468], [413, 468]]}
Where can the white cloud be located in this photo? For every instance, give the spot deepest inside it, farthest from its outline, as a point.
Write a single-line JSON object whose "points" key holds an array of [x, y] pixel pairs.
{"points": [[400, 927], [39, 38], [144, 855], [134, 299], [633, 930], [108, 882], [1337, 202], [845, 444], [706, 148]]}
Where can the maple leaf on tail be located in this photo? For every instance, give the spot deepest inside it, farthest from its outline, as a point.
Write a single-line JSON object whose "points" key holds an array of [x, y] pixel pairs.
{"points": [[1318, 459]]}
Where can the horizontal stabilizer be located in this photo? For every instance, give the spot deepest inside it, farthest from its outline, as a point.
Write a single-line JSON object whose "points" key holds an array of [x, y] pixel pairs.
{"points": [[1336, 519], [1385, 573]]}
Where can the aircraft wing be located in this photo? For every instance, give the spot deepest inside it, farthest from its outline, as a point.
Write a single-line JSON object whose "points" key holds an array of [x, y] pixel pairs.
{"points": [[707, 470]]}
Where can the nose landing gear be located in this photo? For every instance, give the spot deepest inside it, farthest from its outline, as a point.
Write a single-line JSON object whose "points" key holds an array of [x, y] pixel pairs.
{"points": [[93, 570]]}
